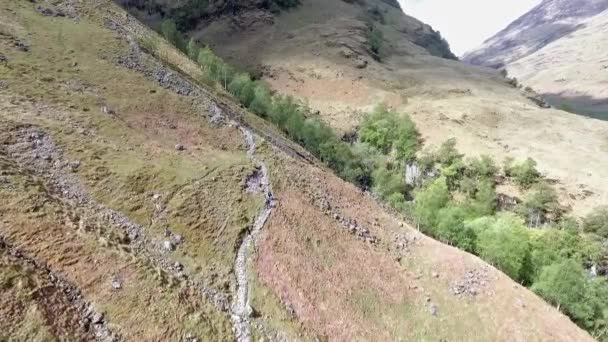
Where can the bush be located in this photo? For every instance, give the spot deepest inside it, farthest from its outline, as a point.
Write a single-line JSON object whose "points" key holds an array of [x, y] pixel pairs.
{"points": [[541, 201], [482, 167], [168, 28], [597, 222], [565, 285], [484, 201], [388, 131], [428, 202], [447, 154], [375, 40], [525, 174], [388, 182], [452, 229], [192, 49], [504, 242], [243, 88], [553, 245]]}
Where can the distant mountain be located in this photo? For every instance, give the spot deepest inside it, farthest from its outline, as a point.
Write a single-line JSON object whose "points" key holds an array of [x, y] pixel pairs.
{"points": [[545, 23], [559, 48]]}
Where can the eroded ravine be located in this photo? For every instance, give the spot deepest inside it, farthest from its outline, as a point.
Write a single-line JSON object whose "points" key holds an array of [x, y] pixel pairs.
{"points": [[241, 308]]}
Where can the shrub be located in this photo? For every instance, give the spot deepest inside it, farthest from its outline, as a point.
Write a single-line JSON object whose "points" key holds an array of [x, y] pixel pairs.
{"points": [[525, 174], [408, 139], [482, 167], [388, 181], [504, 242], [447, 154], [262, 100], [168, 28], [451, 228], [597, 222], [565, 285], [541, 201], [378, 129], [428, 202], [243, 88], [375, 40], [192, 49], [484, 201], [386, 130]]}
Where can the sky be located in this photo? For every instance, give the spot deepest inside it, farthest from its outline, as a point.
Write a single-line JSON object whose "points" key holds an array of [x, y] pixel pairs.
{"points": [[467, 23]]}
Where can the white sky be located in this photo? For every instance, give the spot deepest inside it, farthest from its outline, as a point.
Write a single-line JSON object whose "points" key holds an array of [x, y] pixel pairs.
{"points": [[467, 23]]}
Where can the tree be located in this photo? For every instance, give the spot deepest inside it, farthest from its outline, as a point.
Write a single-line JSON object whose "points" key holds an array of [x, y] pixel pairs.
{"points": [[262, 100], [379, 129], [451, 228], [375, 40], [447, 154], [408, 139], [386, 130], [482, 167], [243, 88], [565, 285], [525, 174], [541, 201], [428, 202], [169, 30], [388, 181], [484, 202], [504, 242], [597, 222]]}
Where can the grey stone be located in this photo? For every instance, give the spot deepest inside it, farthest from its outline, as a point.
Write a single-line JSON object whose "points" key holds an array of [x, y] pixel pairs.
{"points": [[179, 147], [97, 318], [116, 284], [168, 245]]}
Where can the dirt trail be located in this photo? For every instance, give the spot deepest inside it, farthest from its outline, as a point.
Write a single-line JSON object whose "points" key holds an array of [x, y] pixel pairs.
{"points": [[241, 309]]}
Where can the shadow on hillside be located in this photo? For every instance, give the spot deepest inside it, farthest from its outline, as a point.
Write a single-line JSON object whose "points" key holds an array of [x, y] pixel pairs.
{"points": [[582, 105]]}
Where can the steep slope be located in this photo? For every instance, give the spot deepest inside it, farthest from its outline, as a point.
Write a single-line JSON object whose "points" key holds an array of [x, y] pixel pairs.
{"points": [[319, 52], [545, 23], [572, 72], [128, 191]]}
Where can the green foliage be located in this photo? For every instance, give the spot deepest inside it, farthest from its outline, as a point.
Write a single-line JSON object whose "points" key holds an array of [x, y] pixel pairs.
{"points": [[192, 49], [262, 100], [541, 201], [168, 28], [243, 88], [447, 154], [388, 131], [482, 167], [553, 245], [484, 201], [504, 242], [597, 222], [429, 201], [525, 174], [451, 227], [565, 285], [375, 40], [389, 183]]}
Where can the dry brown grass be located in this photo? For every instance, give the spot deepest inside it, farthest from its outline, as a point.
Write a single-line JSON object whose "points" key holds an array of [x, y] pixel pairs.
{"points": [[342, 288]]}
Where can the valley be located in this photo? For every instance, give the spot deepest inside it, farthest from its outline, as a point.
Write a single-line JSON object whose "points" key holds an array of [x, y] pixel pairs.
{"points": [[151, 190]]}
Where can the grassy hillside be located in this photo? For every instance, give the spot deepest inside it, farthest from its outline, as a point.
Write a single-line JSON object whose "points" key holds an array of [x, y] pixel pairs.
{"points": [[129, 187]]}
